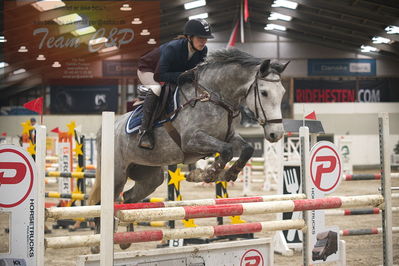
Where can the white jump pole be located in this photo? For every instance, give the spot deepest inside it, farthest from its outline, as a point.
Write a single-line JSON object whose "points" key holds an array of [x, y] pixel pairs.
{"points": [[41, 165], [107, 189], [383, 125], [305, 174]]}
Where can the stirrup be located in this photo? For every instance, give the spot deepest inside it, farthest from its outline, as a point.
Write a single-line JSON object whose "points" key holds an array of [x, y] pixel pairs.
{"points": [[151, 141]]}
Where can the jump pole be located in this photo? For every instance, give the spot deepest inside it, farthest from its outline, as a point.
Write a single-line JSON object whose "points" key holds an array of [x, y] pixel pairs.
{"points": [[169, 234], [41, 165], [383, 126], [107, 195], [191, 212], [305, 174], [57, 213]]}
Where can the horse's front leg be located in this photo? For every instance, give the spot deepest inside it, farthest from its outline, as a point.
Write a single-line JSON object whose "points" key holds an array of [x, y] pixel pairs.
{"points": [[246, 153], [200, 142]]}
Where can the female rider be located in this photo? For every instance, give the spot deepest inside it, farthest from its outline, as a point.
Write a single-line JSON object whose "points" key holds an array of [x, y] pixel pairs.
{"points": [[165, 64]]}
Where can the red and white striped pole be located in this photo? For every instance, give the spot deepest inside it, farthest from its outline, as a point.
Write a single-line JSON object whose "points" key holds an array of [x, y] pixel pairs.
{"points": [[191, 212], [168, 234], [57, 213]]}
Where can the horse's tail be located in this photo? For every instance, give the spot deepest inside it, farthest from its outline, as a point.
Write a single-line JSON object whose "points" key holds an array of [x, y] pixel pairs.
{"points": [[95, 193]]}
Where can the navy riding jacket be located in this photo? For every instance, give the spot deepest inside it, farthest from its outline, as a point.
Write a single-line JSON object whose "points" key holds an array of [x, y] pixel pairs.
{"points": [[170, 59]]}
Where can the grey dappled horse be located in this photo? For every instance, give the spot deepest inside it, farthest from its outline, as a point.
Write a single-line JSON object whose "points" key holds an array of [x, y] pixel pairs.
{"points": [[226, 80]]}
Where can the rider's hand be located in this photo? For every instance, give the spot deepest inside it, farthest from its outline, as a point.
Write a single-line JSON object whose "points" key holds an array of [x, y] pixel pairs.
{"points": [[186, 77]]}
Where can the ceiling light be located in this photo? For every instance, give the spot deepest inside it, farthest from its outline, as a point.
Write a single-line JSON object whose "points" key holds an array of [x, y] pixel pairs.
{"points": [[19, 71], [202, 15], [22, 49], [40, 57], [367, 48], [144, 32], [277, 16], [275, 27], [3, 64], [381, 40], [392, 29], [3, 39], [285, 3], [126, 7], [83, 31], [137, 21], [194, 4], [108, 49], [98, 41], [45, 5], [68, 19], [151, 41], [56, 64]]}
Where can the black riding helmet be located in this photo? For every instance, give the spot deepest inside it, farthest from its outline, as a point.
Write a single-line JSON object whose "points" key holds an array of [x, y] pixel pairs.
{"points": [[198, 27]]}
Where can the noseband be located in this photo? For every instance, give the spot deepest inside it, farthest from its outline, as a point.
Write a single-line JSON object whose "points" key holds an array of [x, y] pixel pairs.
{"points": [[262, 121]]}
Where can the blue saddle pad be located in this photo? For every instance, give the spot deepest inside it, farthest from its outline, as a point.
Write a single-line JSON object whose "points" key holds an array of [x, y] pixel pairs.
{"points": [[134, 121]]}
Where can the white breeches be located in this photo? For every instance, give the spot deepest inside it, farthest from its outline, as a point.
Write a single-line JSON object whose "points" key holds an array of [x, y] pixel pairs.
{"points": [[147, 79]]}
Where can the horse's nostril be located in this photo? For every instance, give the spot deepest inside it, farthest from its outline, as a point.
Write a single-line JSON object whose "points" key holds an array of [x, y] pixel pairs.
{"points": [[272, 135]]}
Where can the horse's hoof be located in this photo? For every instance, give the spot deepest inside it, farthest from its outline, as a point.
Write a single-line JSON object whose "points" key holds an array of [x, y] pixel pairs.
{"points": [[95, 250], [229, 176], [125, 246]]}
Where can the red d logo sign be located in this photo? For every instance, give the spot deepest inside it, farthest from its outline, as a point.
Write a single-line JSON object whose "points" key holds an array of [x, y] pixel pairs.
{"points": [[325, 166], [16, 175], [252, 257], [20, 172]]}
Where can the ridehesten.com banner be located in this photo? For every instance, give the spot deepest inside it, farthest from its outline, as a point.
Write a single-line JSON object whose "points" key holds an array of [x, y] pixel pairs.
{"points": [[319, 91], [362, 90]]}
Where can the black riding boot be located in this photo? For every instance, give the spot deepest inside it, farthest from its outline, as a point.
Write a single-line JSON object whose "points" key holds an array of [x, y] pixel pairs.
{"points": [[146, 136]]}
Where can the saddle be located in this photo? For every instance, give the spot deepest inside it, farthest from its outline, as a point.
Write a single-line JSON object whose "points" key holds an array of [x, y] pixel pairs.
{"points": [[164, 111]]}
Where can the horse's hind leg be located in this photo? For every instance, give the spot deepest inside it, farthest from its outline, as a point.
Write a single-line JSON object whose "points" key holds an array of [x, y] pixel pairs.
{"points": [[147, 179]]}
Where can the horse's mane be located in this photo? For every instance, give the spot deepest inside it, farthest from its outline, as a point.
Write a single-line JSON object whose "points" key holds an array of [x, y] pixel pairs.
{"points": [[232, 56]]}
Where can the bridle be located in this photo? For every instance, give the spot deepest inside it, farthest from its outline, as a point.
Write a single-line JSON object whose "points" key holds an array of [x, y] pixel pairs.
{"points": [[262, 121]]}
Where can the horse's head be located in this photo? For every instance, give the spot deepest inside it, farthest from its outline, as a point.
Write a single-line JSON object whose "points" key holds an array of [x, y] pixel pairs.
{"points": [[264, 99]]}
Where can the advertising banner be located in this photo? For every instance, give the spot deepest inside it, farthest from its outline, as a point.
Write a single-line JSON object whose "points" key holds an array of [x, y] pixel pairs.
{"points": [[359, 90], [342, 67], [319, 91], [83, 96], [18, 199]]}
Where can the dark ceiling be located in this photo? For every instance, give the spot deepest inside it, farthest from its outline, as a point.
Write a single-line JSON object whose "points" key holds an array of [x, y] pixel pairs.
{"points": [[340, 24]]}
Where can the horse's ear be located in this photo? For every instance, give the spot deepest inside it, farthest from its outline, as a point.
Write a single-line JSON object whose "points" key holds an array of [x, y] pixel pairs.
{"points": [[264, 68], [283, 67]]}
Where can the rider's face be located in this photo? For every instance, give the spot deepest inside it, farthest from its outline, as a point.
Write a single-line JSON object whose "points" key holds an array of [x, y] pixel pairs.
{"points": [[198, 42]]}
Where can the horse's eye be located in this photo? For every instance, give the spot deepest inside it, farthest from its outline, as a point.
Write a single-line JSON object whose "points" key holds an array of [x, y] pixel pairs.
{"points": [[264, 93]]}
